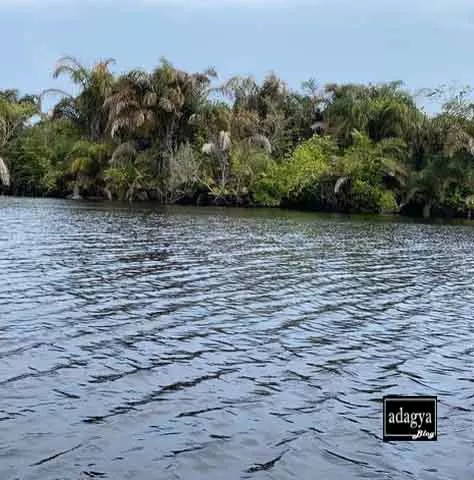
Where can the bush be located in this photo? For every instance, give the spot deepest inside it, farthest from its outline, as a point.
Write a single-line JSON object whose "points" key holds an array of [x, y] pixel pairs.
{"points": [[266, 192], [311, 162], [388, 203], [364, 197]]}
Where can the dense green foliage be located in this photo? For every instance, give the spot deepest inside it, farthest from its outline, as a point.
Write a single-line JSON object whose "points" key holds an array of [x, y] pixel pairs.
{"points": [[172, 136]]}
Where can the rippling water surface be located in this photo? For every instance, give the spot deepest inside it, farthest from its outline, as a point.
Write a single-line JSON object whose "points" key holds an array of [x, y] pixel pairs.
{"points": [[142, 343]]}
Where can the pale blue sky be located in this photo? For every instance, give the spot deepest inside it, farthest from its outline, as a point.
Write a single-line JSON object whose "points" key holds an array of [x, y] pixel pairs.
{"points": [[423, 42]]}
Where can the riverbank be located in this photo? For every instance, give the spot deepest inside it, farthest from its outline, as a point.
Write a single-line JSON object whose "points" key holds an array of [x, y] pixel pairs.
{"points": [[208, 202]]}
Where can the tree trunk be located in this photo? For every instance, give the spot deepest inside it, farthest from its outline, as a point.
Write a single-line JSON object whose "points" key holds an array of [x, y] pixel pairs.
{"points": [[427, 210], [4, 174], [224, 166], [223, 176], [469, 214], [169, 136], [76, 193]]}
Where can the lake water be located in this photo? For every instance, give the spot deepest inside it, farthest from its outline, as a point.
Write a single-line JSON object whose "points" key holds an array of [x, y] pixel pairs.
{"points": [[146, 343]]}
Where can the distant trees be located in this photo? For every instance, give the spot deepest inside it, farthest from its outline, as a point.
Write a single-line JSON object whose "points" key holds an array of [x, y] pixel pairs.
{"points": [[174, 136]]}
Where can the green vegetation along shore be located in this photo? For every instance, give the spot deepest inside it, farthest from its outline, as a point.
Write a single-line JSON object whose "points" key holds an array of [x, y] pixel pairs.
{"points": [[177, 137]]}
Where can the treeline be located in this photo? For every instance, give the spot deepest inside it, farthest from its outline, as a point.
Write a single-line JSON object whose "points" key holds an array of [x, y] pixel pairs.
{"points": [[178, 137]]}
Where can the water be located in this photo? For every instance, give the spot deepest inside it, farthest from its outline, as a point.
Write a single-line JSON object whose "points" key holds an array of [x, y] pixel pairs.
{"points": [[146, 343]]}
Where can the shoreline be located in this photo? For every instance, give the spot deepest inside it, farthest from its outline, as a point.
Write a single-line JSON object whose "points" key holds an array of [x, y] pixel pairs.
{"points": [[250, 207]]}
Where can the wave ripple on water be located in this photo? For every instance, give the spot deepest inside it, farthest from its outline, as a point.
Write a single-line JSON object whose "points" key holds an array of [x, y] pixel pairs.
{"points": [[210, 344]]}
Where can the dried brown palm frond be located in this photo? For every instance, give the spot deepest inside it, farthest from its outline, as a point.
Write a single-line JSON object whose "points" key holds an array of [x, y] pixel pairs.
{"points": [[118, 124], [4, 173], [166, 104], [181, 76], [341, 181], [120, 104], [224, 141], [194, 119], [103, 65], [150, 99], [457, 139], [208, 148], [221, 145]]}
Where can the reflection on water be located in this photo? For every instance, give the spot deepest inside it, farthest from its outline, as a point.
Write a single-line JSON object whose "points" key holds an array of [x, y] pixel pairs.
{"points": [[206, 344]]}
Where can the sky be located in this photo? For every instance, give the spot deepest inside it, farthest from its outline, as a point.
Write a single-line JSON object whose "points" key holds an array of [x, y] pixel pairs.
{"points": [[422, 42]]}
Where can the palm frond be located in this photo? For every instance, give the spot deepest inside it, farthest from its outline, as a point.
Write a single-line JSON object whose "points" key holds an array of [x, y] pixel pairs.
{"points": [[117, 124], [121, 103], [224, 141], [69, 65], [469, 201], [54, 91], [137, 76], [210, 72], [80, 149], [194, 119], [261, 141], [124, 153], [341, 181], [165, 104], [395, 169], [150, 99], [238, 87], [80, 165], [70, 60], [458, 139], [103, 65], [209, 148], [67, 109]]}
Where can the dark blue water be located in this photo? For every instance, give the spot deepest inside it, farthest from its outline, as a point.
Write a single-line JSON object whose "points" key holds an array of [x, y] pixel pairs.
{"points": [[146, 343]]}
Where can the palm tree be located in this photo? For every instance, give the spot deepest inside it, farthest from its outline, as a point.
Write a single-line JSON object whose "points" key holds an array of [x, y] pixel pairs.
{"points": [[431, 183], [130, 107], [185, 173], [14, 112], [86, 161], [157, 105], [219, 148], [86, 110], [242, 91], [123, 177], [381, 164], [179, 96], [222, 147], [261, 108], [380, 111]]}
